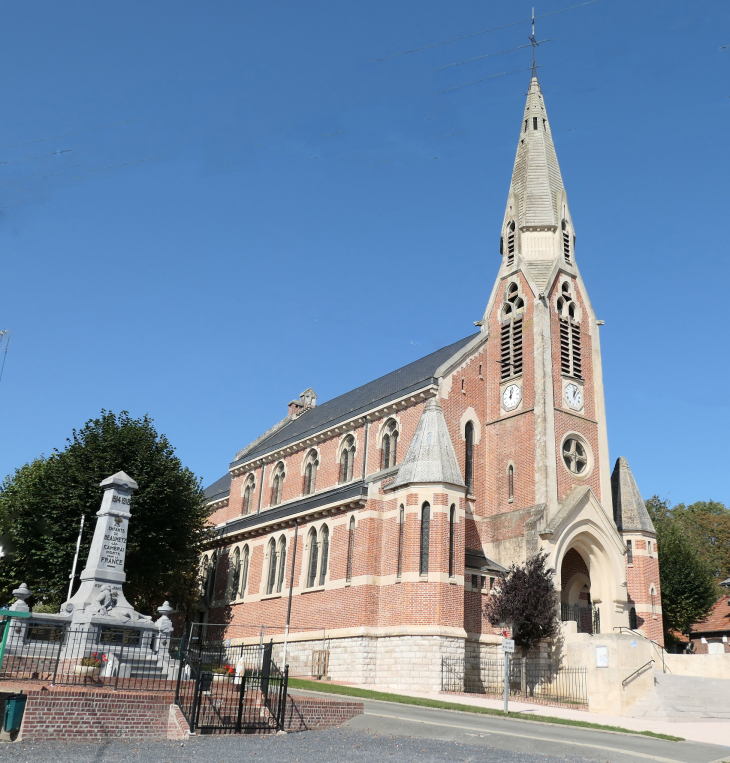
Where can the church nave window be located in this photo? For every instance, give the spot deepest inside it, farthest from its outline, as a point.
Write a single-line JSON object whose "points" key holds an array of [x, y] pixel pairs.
{"points": [[511, 333], [469, 456], [271, 578], [318, 556], [235, 574], [277, 484], [571, 363], [347, 459], [248, 492], [310, 472], [389, 445], [282, 564], [350, 549], [425, 538], [244, 570]]}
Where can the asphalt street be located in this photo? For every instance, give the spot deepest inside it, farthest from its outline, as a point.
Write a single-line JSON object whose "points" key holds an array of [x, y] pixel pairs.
{"points": [[389, 732]]}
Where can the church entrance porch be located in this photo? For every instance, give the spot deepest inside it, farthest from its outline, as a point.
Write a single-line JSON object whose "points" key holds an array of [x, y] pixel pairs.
{"points": [[575, 595]]}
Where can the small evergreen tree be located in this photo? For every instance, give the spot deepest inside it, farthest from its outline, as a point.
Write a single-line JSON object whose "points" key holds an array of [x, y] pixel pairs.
{"points": [[526, 598]]}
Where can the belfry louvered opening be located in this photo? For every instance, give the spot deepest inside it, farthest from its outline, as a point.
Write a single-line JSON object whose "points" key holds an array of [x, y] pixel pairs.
{"points": [[566, 241], [570, 351], [511, 243], [511, 333]]}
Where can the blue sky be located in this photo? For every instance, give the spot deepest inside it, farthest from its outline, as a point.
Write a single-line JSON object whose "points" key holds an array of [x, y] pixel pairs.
{"points": [[206, 208]]}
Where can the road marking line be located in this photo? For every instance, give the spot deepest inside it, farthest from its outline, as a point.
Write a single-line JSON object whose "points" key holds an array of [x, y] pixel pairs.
{"points": [[530, 736]]}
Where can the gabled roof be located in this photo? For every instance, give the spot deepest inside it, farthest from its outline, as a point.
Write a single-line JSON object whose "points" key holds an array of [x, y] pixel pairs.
{"points": [[430, 456], [219, 489], [392, 386], [629, 510], [536, 179], [718, 620]]}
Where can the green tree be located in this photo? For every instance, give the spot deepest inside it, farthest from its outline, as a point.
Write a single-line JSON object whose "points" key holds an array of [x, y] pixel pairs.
{"points": [[42, 503], [526, 598]]}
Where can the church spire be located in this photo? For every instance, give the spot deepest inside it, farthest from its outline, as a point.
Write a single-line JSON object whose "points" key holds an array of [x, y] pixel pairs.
{"points": [[537, 229], [536, 180]]}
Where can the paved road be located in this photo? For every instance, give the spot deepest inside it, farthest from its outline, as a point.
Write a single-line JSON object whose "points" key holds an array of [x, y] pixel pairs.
{"points": [[389, 732], [529, 737]]}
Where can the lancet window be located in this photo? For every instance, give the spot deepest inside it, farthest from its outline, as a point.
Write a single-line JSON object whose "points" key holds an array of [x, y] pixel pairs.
{"points": [[347, 458], [277, 484], [570, 352], [234, 574], [244, 570], [281, 553], [511, 332], [311, 465], [511, 243], [401, 528], [248, 491], [510, 483], [350, 549], [469, 456], [318, 556], [452, 519], [389, 445], [271, 577], [425, 537]]}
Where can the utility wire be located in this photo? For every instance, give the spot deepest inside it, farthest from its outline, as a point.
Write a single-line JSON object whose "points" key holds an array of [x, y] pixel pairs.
{"points": [[484, 79], [489, 55], [484, 31], [5, 354]]}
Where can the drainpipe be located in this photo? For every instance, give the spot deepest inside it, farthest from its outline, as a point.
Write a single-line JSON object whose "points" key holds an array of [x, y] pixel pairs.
{"points": [[291, 589]]}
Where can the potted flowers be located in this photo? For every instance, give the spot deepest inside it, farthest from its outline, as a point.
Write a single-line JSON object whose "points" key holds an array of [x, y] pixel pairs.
{"points": [[90, 666], [224, 674]]}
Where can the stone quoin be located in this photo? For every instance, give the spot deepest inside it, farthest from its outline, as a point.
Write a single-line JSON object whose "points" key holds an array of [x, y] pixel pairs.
{"points": [[411, 494]]}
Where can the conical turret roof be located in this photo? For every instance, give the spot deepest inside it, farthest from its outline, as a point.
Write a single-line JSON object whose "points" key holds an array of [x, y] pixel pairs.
{"points": [[629, 510], [536, 179], [430, 456]]}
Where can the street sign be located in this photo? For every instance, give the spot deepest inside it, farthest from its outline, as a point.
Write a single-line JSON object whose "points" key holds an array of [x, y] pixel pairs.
{"points": [[508, 645]]}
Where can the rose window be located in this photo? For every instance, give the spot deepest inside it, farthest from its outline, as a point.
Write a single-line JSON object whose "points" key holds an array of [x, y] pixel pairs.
{"points": [[574, 455]]}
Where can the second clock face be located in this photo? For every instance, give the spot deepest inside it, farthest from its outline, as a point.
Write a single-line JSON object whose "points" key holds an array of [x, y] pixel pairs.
{"points": [[511, 397], [574, 396]]}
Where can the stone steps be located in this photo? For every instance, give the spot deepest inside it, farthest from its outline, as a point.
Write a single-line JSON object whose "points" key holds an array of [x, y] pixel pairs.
{"points": [[685, 697]]}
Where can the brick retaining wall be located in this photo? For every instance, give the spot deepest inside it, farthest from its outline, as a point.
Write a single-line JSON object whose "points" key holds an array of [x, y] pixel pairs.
{"points": [[94, 715]]}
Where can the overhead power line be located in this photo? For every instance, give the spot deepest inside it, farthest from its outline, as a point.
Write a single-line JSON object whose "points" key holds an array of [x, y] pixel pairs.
{"points": [[490, 55], [484, 79], [484, 31]]}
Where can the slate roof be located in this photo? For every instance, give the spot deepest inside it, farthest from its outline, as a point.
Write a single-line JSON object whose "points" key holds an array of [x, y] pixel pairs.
{"points": [[536, 178], [219, 489], [629, 510], [430, 456], [410, 378]]}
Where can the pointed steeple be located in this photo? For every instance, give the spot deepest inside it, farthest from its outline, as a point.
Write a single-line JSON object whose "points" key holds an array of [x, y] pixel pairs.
{"points": [[430, 456], [537, 224], [536, 179], [629, 510]]}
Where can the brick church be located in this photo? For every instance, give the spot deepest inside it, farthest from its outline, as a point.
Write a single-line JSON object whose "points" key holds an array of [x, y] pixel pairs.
{"points": [[411, 494]]}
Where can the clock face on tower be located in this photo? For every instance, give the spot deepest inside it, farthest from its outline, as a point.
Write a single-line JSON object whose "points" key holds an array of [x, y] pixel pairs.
{"points": [[511, 397], [574, 396]]}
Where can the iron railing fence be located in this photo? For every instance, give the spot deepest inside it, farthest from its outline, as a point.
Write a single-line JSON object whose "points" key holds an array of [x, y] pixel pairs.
{"points": [[119, 658], [225, 688], [529, 679], [588, 618]]}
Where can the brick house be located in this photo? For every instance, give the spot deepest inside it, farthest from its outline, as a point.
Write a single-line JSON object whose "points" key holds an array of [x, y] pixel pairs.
{"points": [[409, 495], [712, 635]]}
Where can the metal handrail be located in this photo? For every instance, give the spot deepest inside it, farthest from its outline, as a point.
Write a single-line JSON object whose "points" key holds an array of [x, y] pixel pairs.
{"points": [[662, 650], [636, 672]]}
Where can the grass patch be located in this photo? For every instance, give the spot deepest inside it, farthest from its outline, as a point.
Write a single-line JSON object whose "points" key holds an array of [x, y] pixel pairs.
{"points": [[353, 691]]}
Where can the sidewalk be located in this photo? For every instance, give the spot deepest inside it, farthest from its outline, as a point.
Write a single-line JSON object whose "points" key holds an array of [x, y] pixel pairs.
{"points": [[709, 731]]}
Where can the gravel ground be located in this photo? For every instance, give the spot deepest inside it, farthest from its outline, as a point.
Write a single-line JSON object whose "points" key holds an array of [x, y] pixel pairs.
{"points": [[331, 746]]}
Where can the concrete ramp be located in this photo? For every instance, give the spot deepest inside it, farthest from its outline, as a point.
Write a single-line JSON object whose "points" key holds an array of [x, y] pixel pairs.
{"points": [[685, 698]]}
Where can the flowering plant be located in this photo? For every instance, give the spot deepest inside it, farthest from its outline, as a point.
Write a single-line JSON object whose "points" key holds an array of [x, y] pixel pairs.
{"points": [[95, 660], [226, 670]]}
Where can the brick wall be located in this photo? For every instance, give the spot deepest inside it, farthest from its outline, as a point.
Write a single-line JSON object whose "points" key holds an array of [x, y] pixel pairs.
{"points": [[75, 714], [310, 713]]}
